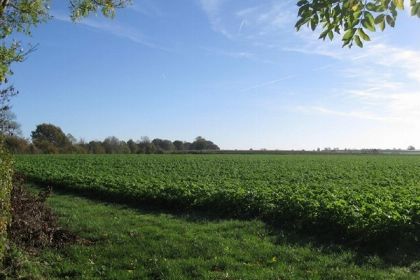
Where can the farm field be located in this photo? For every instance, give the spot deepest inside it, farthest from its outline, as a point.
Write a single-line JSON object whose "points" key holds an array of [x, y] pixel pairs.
{"points": [[363, 197]]}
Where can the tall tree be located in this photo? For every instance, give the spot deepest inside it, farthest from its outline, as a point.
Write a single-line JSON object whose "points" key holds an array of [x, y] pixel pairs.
{"points": [[50, 138], [201, 143], [179, 145]]}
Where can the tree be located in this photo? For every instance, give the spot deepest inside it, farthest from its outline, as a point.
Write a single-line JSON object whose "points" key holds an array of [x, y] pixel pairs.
{"points": [[8, 124], [16, 145], [411, 148], [179, 145], [163, 145], [202, 144], [351, 19], [71, 138], [186, 146], [145, 146], [132, 146], [199, 143], [50, 138], [96, 147], [111, 145]]}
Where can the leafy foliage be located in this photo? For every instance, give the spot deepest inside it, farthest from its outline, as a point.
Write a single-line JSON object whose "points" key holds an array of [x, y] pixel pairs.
{"points": [[363, 196], [6, 172], [49, 138], [352, 20], [82, 8]]}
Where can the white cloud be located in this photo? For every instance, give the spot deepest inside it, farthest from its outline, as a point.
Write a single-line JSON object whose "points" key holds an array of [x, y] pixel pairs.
{"points": [[213, 10], [237, 54], [250, 21], [269, 83], [364, 115], [381, 78], [114, 28]]}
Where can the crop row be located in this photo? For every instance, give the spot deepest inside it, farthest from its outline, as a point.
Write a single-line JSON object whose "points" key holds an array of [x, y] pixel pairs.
{"points": [[364, 196]]}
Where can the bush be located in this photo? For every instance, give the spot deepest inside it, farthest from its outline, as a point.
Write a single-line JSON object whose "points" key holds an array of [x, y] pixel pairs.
{"points": [[6, 172]]}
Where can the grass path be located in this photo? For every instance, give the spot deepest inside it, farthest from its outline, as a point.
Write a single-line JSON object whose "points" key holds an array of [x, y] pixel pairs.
{"points": [[142, 244]]}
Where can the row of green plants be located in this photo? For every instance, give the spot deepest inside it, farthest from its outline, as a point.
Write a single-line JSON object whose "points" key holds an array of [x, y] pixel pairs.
{"points": [[6, 173], [353, 196]]}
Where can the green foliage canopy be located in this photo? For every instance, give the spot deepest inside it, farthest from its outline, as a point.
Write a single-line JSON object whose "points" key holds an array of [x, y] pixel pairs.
{"points": [[49, 138], [351, 19], [6, 172]]}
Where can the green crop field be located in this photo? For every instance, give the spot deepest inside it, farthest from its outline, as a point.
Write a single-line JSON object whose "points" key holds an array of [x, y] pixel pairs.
{"points": [[353, 196]]}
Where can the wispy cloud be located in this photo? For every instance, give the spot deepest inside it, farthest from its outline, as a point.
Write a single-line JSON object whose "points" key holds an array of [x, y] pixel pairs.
{"points": [[364, 115], [382, 79], [148, 8], [213, 10], [237, 54], [269, 83], [116, 29], [248, 21]]}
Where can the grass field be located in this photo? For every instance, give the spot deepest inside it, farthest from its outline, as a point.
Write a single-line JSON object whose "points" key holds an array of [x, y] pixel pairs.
{"points": [[140, 243], [362, 197]]}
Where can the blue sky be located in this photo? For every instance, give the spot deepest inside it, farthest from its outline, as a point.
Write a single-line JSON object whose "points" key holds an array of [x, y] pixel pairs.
{"points": [[235, 72]]}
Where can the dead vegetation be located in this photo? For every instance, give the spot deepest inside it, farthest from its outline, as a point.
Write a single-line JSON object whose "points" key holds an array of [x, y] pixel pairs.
{"points": [[34, 226]]}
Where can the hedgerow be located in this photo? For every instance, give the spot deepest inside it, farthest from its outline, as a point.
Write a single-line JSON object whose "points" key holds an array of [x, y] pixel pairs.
{"points": [[353, 196], [6, 173]]}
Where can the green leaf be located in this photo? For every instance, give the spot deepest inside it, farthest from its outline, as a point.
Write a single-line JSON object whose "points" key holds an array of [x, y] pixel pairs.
{"points": [[399, 4], [370, 18], [323, 34], [302, 2], [349, 34], [382, 25], [371, 7], [358, 41], [314, 23], [363, 35], [379, 19], [366, 24], [390, 20]]}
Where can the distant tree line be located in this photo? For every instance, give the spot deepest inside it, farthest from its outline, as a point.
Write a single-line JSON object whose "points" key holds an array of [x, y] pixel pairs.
{"points": [[50, 139]]}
